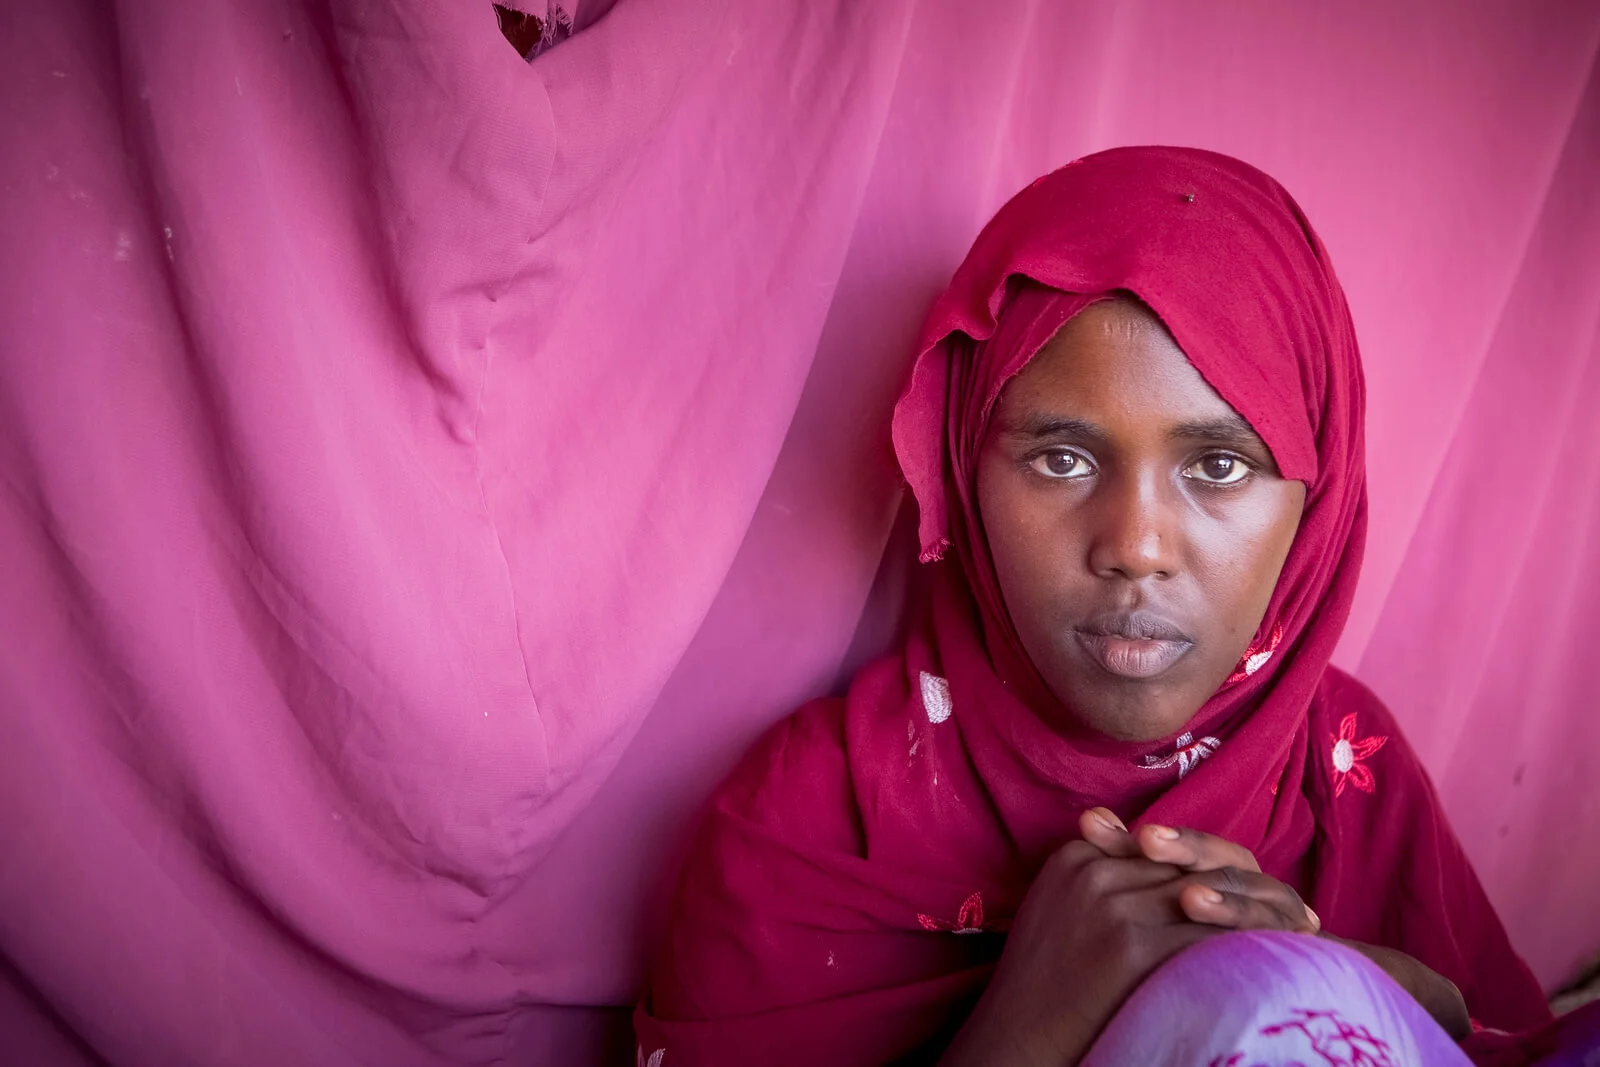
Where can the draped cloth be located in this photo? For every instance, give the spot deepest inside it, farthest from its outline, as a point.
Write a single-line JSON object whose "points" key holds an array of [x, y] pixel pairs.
{"points": [[816, 911], [1251, 999]]}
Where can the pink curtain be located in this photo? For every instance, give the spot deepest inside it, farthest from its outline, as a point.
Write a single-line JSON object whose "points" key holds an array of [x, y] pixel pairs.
{"points": [[422, 472]]}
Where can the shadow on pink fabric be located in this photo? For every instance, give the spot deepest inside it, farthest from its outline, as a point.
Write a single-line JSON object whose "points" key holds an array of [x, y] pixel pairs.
{"points": [[423, 472]]}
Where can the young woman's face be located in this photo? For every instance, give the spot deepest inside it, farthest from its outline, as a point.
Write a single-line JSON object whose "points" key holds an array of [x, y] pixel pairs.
{"points": [[1137, 523]]}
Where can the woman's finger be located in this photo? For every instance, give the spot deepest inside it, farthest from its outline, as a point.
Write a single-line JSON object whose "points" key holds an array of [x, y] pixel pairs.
{"points": [[1212, 907], [1193, 850], [1245, 900], [1102, 829]]}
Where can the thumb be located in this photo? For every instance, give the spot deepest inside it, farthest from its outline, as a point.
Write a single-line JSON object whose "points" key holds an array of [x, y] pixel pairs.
{"points": [[1102, 829]]}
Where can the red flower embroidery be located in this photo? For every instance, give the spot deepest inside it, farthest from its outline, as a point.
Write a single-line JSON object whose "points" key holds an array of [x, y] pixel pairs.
{"points": [[1256, 656], [1348, 754], [1339, 1043], [968, 921], [1335, 1042]]}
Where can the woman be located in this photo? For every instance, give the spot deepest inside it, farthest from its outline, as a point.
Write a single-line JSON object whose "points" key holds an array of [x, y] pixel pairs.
{"points": [[1135, 423]]}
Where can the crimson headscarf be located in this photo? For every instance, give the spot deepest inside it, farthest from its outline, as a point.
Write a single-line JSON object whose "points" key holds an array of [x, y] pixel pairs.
{"points": [[814, 920]]}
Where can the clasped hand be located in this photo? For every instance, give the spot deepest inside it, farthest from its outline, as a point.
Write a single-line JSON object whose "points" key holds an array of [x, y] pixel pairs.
{"points": [[1107, 910]]}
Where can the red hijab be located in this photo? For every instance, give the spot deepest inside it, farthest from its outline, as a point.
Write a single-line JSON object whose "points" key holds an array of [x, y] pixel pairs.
{"points": [[814, 920]]}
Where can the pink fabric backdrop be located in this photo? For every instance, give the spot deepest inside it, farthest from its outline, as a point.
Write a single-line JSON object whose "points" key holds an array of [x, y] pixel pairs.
{"points": [[422, 472]]}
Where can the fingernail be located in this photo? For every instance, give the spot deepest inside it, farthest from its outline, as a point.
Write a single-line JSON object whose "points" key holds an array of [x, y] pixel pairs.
{"points": [[1315, 921], [1211, 896], [1166, 833], [1109, 820]]}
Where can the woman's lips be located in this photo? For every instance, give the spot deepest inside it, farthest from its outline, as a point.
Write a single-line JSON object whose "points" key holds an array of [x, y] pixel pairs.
{"points": [[1132, 657]]}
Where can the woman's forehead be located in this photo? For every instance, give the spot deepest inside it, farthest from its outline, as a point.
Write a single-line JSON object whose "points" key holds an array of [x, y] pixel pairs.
{"points": [[1118, 359]]}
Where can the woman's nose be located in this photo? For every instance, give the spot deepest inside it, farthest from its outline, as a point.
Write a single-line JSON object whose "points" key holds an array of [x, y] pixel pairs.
{"points": [[1133, 529]]}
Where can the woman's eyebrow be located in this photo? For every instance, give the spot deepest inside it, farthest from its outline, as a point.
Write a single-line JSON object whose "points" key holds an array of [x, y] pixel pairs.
{"points": [[1230, 429], [1041, 426]]}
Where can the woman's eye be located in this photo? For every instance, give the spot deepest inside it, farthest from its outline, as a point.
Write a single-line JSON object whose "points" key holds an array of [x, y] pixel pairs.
{"points": [[1219, 468], [1061, 465]]}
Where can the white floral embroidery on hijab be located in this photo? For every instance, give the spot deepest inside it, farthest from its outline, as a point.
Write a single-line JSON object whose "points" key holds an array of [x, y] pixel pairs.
{"points": [[936, 697], [1187, 755]]}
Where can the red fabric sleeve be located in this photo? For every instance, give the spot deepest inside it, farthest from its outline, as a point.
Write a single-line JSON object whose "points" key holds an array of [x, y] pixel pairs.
{"points": [[1390, 871]]}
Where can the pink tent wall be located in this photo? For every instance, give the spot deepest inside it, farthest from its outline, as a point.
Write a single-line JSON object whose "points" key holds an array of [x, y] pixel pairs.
{"points": [[422, 472]]}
